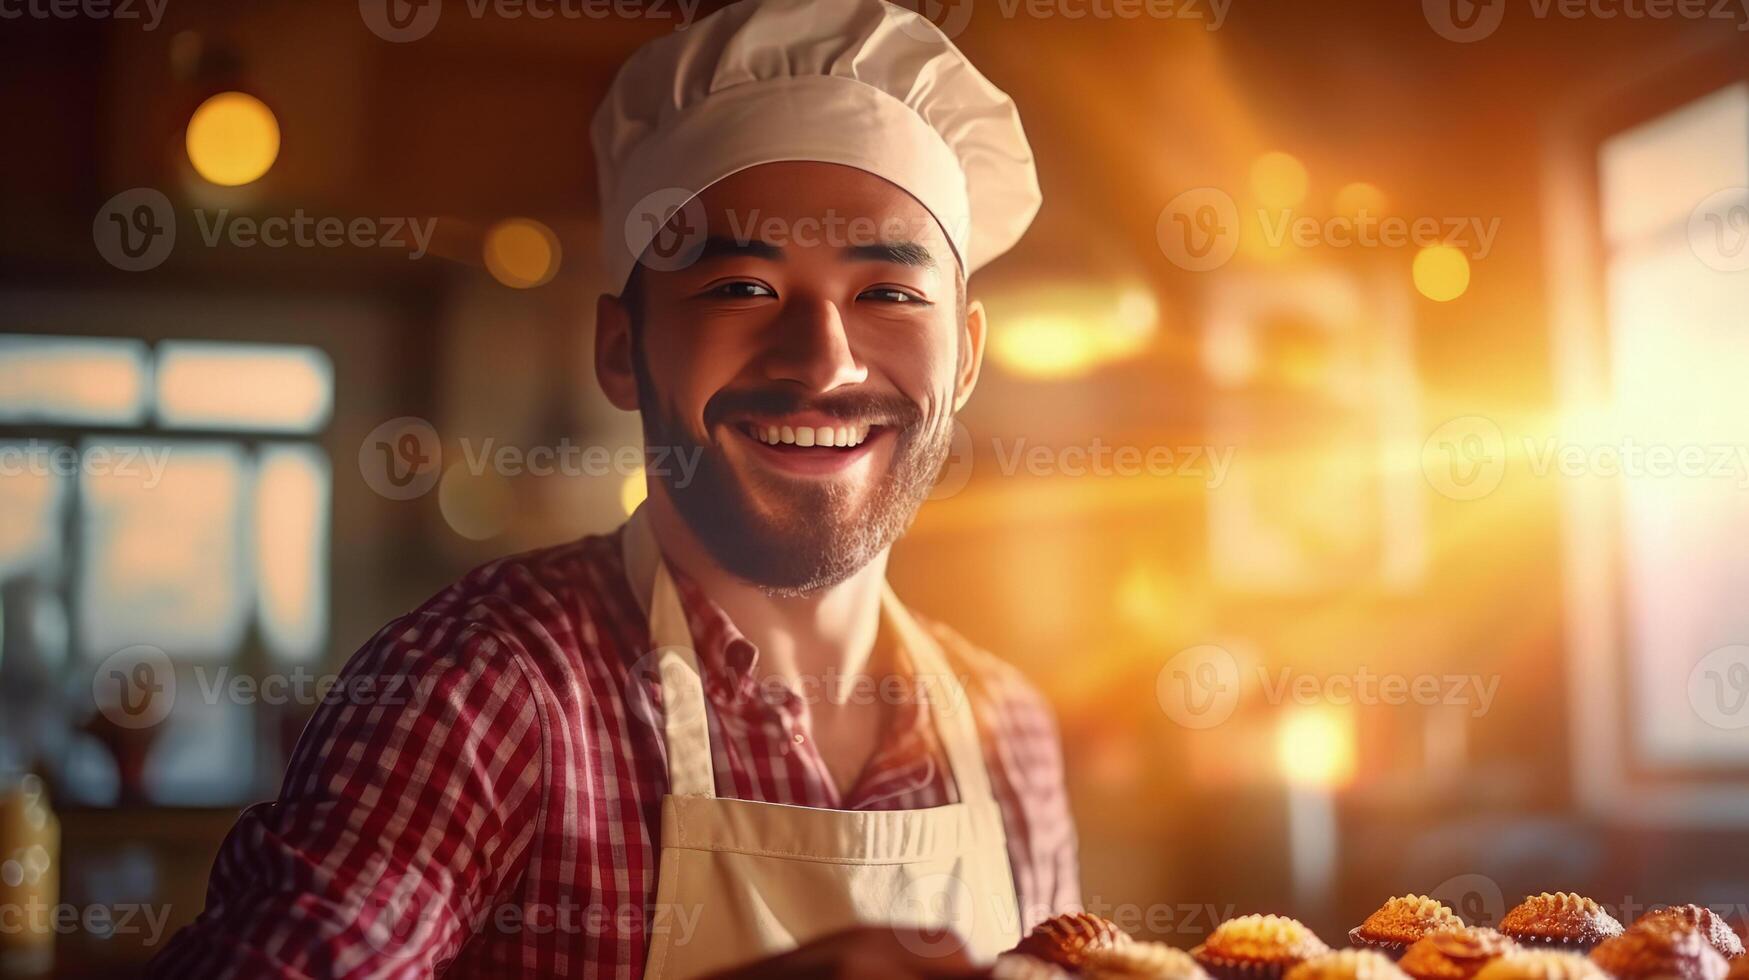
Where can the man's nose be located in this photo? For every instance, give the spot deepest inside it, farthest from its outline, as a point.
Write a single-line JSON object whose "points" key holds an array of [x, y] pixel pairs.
{"points": [[812, 348]]}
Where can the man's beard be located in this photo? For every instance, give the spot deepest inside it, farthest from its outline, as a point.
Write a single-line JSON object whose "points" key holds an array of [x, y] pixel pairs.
{"points": [[810, 535]]}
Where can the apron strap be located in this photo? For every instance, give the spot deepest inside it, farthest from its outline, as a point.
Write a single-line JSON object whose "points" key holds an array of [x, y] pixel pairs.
{"points": [[685, 727], [949, 705], [683, 702]]}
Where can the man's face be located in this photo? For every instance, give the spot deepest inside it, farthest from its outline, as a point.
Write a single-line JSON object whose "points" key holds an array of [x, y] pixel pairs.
{"points": [[813, 355]]}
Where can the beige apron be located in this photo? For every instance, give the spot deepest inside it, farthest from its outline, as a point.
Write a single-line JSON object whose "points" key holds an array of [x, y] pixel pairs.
{"points": [[741, 880]]}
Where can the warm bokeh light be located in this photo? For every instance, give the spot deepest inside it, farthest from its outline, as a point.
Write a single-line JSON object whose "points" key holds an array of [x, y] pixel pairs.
{"points": [[476, 506], [1358, 197], [1066, 331], [633, 492], [521, 253], [233, 138], [1315, 746], [291, 548], [1442, 273], [1278, 180]]}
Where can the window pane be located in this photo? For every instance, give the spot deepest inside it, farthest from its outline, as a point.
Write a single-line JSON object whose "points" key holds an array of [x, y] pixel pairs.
{"points": [[161, 555], [291, 549], [71, 379], [1655, 175], [244, 386], [205, 756], [1678, 350], [32, 486]]}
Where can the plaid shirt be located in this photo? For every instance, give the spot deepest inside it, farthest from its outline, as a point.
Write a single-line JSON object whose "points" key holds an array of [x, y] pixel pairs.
{"points": [[480, 792]]}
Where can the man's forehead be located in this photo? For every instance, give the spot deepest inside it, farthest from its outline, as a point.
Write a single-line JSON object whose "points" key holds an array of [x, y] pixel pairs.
{"points": [[803, 203]]}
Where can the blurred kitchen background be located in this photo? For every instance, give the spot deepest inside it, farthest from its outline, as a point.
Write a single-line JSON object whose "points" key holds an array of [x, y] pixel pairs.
{"points": [[1415, 562]]}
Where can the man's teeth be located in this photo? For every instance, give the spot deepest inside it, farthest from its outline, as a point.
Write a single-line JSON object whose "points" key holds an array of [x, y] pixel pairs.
{"points": [[838, 436]]}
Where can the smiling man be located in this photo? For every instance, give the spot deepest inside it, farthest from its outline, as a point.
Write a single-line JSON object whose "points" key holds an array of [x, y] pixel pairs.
{"points": [[714, 740]]}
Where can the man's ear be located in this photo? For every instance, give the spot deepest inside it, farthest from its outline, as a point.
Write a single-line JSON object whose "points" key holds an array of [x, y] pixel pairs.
{"points": [[613, 352], [973, 361]]}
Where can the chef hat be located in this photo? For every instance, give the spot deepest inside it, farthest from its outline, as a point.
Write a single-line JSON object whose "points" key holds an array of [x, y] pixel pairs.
{"points": [[857, 82]]}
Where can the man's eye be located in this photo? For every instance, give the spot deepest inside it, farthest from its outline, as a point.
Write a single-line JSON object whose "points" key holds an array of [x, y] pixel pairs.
{"points": [[741, 289], [888, 294]]}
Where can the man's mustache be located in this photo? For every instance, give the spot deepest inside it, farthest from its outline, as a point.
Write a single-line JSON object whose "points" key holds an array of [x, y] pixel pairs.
{"points": [[865, 407]]}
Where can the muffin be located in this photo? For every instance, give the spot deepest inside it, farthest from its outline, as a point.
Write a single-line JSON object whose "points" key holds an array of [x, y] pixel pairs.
{"points": [[1560, 919], [1660, 951], [1713, 928], [1141, 961], [1065, 940], [1257, 947], [1347, 964], [1541, 964], [1400, 922], [1739, 969], [1454, 955]]}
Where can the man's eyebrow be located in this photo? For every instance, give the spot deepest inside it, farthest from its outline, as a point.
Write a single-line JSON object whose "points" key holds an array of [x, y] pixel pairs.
{"points": [[898, 253], [722, 247]]}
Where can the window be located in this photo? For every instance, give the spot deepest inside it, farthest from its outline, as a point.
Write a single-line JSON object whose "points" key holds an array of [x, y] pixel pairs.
{"points": [[171, 495]]}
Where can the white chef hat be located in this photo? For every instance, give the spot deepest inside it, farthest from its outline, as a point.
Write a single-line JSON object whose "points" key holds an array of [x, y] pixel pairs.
{"points": [[857, 82]]}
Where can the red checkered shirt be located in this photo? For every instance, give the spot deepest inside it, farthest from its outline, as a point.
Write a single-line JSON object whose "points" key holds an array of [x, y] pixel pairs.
{"points": [[479, 795]]}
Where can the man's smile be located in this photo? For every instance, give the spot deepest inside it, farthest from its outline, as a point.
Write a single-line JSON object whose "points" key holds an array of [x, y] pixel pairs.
{"points": [[809, 443]]}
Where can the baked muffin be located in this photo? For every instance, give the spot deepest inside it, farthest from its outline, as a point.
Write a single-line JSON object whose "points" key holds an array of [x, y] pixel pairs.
{"points": [[1400, 922], [1065, 940], [1257, 947], [1347, 964], [1454, 955], [1713, 928], [1541, 964], [1560, 919], [1660, 951], [1141, 961]]}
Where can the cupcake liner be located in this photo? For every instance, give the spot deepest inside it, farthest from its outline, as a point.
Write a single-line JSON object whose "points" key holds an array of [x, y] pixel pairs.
{"points": [[1391, 948], [1580, 946], [1221, 968]]}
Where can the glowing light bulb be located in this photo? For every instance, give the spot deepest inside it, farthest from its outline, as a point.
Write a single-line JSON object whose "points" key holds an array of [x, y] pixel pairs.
{"points": [[1441, 273], [232, 139]]}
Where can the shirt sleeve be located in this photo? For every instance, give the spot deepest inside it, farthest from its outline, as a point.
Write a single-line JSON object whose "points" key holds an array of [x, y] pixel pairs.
{"points": [[406, 811]]}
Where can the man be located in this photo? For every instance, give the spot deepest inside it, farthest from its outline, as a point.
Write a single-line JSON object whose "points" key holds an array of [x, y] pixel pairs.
{"points": [[714, 740]]}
